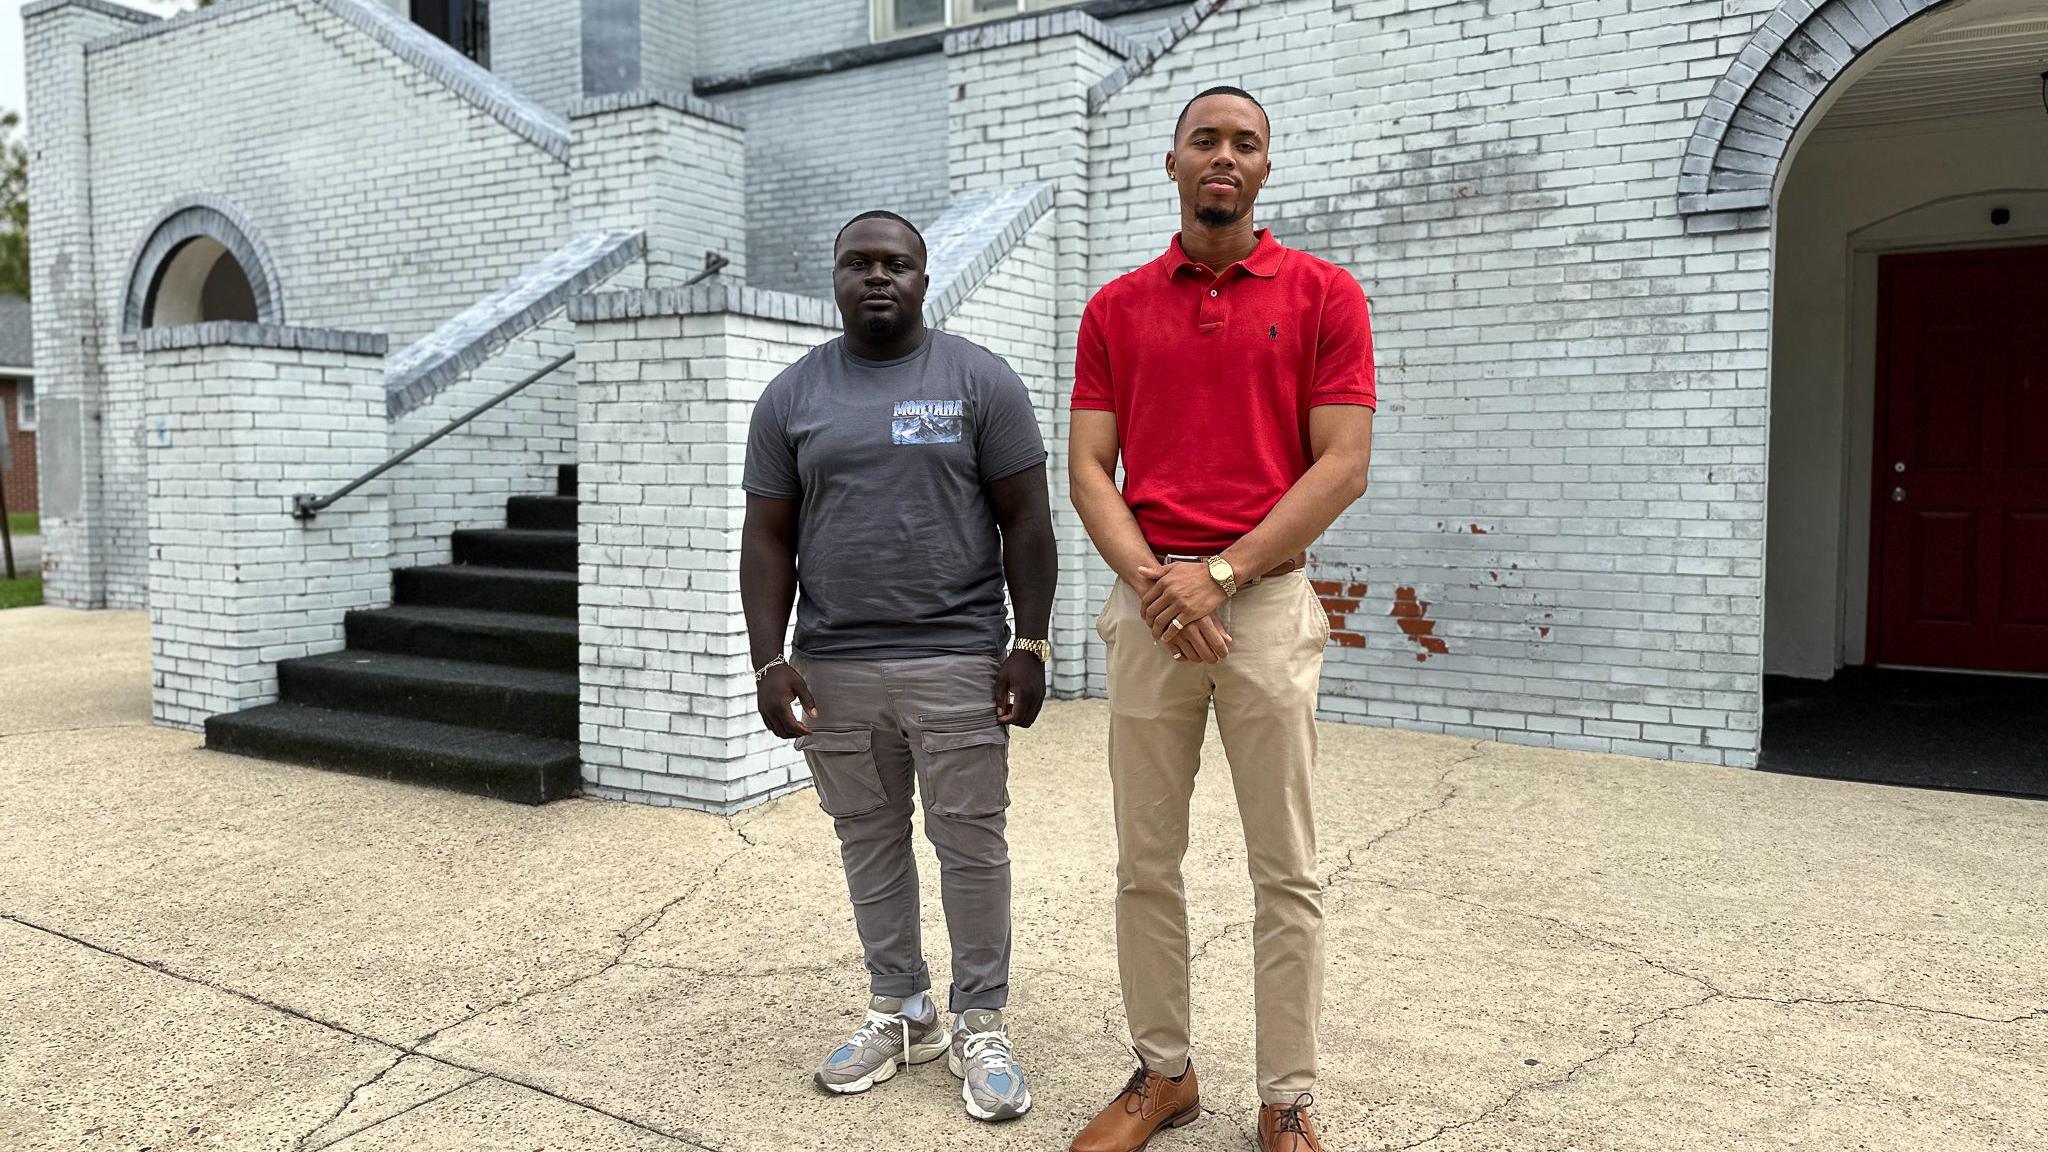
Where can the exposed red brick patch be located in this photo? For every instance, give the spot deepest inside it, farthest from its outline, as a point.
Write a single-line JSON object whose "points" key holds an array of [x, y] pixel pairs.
{"points": [[1413, 617], [1478, 531], [1329, 587], [1348, 639], [1543, 630]]}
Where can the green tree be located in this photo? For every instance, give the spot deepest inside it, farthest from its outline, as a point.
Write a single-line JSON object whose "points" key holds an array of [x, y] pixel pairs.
{"points": [[13, 207]]}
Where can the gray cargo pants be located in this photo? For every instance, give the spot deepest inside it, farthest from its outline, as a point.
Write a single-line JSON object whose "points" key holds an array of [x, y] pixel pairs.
{"points": [[881, 725]]}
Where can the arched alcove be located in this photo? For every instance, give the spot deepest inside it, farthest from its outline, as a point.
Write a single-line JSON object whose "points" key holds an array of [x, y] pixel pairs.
{"points": [[200, 261]]}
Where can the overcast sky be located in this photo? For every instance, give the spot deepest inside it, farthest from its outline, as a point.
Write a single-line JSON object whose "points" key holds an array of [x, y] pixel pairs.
{"points": [[11, 95]]}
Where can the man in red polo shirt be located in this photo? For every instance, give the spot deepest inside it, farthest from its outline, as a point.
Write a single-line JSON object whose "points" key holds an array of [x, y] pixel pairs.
{"points": [[1235, 376]]}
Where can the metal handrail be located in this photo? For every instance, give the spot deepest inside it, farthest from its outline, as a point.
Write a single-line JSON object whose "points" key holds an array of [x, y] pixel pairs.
{"points": [[306, 505]]}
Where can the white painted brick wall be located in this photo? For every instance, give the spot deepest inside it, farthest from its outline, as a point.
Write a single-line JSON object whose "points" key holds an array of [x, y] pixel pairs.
{"points": [[812, 163], [236, 584], [1561, 365], [537, 46], [388, 202], [638, 164], [663, 405], [463, 480]]}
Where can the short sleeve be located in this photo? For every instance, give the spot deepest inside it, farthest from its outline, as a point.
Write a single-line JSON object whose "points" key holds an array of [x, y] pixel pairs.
{"points": [[1006, 436], [1344, 370], [1094, 390], [771, 458]]}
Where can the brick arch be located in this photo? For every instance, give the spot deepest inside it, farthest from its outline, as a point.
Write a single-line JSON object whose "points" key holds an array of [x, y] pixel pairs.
{"points": [[1752, 114], [188, 219]]}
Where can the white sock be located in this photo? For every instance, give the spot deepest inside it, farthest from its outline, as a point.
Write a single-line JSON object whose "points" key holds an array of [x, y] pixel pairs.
{"points": [[917, 1007]]}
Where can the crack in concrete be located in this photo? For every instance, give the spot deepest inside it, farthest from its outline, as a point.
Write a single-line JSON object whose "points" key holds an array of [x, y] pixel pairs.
{"points": [[354, 1132], [61, 731], [1635, 1035], [299, 1145], [480, 1073]]}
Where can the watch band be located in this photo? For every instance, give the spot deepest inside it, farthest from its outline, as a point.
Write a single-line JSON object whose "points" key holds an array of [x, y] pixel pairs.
{"points": [[1221, 572], [1039, 648]]}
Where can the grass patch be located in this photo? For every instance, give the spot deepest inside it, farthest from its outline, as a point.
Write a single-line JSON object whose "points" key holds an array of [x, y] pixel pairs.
{"points": [[25, 523], [21, 593]]}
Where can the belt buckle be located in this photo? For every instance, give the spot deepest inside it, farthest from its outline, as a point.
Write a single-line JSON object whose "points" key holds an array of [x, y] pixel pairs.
{"points": [[1172, 558]]}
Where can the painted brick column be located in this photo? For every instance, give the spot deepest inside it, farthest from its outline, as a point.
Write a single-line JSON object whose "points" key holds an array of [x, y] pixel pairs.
{"points": [[1019, 115], [69, 372], [666, 385], [666, 164], [239, 418]]}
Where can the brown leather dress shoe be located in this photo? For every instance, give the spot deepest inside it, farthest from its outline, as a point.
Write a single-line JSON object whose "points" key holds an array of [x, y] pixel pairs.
{"points": [[1147, 1104], [1287, 1128]]}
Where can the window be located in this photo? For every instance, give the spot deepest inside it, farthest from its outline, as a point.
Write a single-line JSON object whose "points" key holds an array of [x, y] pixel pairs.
{"points": [[25, 405], [464, 24], [893, 18]]}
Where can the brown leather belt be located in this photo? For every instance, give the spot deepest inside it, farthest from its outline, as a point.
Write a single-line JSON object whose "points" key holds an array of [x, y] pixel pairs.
{"points": [[1297, 561]]}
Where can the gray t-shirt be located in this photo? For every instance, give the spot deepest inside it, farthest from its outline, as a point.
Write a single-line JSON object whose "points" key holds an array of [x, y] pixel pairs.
{"points": [[898, 554]]}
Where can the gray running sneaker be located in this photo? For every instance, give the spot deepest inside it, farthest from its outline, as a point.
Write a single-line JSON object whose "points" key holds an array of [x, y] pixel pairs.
{"points": [[991, 1083], [885, 1042]]}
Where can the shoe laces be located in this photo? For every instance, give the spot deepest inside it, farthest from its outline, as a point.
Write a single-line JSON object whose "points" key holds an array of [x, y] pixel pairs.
{"points": [[879, 1023], [1290, 1116], [1137, 1088], [991, 1049]]}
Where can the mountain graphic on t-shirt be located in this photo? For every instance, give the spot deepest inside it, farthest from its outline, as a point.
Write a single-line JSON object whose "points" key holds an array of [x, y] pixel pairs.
{"points": [[927, 422]]}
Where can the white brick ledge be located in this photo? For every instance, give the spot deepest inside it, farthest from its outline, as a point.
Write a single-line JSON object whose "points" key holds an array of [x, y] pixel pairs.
{"points": [[241, 333], [973, 236], [103, 7], [1143, 56], [1025, 29], [411, 43], [700, 299], [656, 98], [458, 347]]}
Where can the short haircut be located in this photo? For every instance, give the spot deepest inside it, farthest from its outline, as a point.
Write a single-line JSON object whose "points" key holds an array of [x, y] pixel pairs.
{"points": [[1223, 90], [880, 214]]}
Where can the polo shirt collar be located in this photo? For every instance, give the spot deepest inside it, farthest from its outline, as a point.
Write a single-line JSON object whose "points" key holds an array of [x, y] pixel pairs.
{"points": [[1264, 260]]}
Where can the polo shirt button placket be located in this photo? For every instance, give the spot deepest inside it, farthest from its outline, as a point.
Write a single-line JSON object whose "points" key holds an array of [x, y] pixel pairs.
{"points": [[1212, 313]]}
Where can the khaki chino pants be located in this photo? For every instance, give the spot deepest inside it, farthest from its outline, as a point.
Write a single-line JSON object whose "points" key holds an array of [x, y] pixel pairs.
{"points": [[1265, 698]]}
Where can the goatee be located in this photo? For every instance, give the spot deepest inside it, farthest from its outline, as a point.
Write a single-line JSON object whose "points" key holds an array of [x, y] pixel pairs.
{"points": [[880, 328], [1217, 217]]}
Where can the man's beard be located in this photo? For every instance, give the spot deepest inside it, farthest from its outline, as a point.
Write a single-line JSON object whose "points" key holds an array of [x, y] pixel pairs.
{"points": [[883, 327], [1217, 217]]}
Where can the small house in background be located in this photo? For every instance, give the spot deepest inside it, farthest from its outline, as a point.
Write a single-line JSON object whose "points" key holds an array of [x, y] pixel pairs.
{"points": [[17, 405]]}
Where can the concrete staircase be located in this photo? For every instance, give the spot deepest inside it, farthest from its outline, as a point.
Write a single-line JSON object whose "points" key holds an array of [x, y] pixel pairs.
{"points": [[468, 681]]}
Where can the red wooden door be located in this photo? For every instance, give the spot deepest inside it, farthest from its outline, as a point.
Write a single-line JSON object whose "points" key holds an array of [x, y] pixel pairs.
{"points": [[1959, 551]]}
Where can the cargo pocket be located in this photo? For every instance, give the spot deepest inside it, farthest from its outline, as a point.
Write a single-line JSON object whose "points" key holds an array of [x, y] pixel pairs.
{"points": [[967, 771], [842, 764]]}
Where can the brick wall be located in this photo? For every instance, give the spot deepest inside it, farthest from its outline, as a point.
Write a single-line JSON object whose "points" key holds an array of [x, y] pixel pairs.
{"points": [[817, 155], [666, 385], [536, 45], [241, 418], [735, 35], [1563, 541], [388, 200], [22, 491]]}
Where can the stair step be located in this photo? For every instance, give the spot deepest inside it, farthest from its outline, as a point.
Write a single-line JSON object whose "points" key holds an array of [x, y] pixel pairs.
{"points": [[516, 548], [500, 697], [521, 638], [549, 512], [517, 590], [565, 480], [526, 769]]}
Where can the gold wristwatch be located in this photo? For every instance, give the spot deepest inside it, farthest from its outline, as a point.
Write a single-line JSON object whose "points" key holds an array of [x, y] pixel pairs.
{"points": [[1221, 573], [1039, 648]]}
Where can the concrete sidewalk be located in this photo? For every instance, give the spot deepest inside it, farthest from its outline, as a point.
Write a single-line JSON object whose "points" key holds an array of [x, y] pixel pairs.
{"points": [[1530, 950]]}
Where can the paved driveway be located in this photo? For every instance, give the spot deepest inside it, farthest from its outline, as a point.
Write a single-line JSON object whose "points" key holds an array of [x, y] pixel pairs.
{"points": [[1530, 950]]}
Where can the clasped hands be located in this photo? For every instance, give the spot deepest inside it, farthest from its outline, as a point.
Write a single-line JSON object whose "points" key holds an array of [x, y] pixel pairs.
{"points": [[1179, 602]]}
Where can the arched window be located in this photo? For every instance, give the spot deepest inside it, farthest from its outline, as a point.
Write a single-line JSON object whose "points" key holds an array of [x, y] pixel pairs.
{"points": [[199, 262]]}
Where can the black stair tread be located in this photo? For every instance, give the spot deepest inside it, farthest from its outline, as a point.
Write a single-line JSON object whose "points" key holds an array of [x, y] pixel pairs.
{"points": [[527, 769], [551, 575], [542, 512], [523, 535], [475, 618], [402, 666]]}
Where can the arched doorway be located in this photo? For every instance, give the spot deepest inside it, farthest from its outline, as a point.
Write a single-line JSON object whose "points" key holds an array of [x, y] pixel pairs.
{"points": [[200, 262], [1907, 528]]}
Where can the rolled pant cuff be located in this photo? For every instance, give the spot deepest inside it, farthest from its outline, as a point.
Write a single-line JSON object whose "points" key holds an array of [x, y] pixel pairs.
{"points": [[900, 985], [1282, 1098], [1171, 1069], [997, 998]]}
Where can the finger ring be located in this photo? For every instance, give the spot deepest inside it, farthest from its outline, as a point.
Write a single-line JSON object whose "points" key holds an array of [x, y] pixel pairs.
{"points": [[1176, 623]]}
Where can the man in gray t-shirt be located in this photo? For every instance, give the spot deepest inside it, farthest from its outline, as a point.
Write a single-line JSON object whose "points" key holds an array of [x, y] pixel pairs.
{"points": [[896, 477]]}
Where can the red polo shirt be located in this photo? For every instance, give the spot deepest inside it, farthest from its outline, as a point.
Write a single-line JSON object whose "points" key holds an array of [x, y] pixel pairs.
{"points": [[1212, 378]]}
